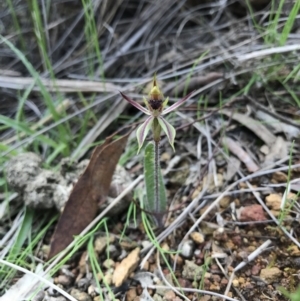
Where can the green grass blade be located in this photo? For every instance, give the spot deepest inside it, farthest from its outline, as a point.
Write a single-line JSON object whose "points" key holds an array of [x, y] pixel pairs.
{"points": [[22, 127], [289, 23], [63, 133]]}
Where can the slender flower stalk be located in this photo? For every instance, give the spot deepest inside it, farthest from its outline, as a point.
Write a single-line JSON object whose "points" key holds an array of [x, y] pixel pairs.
{"points": [[155, 109]]}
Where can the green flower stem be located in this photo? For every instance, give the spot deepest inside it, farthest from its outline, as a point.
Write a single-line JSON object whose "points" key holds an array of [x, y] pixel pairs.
{"points": [[156, 175], [156, 130]]}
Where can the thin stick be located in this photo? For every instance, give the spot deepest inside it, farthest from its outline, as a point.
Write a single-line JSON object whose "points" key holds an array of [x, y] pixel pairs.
{"points": [[252, 256], [40, 278], [156, 171]]}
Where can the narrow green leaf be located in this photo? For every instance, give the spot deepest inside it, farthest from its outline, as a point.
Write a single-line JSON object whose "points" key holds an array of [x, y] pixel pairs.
{"points": [[155, 189], [23, 128], [23, 231], [149, 173]]}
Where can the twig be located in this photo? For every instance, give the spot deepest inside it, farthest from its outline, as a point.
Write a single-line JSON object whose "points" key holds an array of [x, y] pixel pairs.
{"points": [[265, 52], [40, 278], [252, 256]]}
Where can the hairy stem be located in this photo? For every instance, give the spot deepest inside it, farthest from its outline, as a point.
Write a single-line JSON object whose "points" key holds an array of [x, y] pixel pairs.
{"points": [[156, 175]]}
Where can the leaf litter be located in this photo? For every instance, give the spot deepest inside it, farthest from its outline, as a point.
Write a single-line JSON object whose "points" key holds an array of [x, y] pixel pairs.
{"points": [[88, 193], [134, 50]]}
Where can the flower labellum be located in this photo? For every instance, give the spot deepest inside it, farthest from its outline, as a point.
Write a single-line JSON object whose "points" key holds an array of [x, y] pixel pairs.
{"points": [[155, 108]]}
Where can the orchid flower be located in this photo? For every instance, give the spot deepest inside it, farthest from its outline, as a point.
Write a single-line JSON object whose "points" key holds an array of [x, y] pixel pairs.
{"points": [[155, 108]]}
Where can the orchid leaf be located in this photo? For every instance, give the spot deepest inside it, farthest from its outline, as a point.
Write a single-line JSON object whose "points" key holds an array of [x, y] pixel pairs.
{"points": [[155, 187]]}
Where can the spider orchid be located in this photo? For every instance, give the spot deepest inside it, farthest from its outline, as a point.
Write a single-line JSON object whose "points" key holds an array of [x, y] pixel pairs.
{"points": [[155, 108]]}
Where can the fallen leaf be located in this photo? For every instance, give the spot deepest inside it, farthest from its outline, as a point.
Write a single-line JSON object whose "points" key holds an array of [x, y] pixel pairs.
{"points": [[255, 126], [278, 126], [88, 193], [126, 267], [237, 150], [232, 168], [278, 150]]}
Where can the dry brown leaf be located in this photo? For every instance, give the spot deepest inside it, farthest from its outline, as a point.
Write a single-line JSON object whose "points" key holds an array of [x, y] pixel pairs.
{"points": [[88, 193], [237, 150], [278, 126], [232, 168], [255, 126], [126, 267], [278, 150]]}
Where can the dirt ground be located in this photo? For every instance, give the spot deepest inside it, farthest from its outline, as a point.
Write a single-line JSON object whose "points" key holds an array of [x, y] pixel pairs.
{"points": [[231, 229]]}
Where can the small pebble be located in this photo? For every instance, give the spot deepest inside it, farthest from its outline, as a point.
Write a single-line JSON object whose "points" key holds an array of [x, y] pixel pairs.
{"points": [[274, 201], [108, 263], [157, 297], [63, 280], [187, 249], [146, 244], [91, 291], [101, 243], [108, 279], [197, 237], [255, 269], [224, 202], [83, 283], [131, 294], [177, 258], [169, 295], [270, 275], [241, 280], [192, 271], [279, 177], [235, 283], [214, 287], [216, 278], [79, 295]]}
